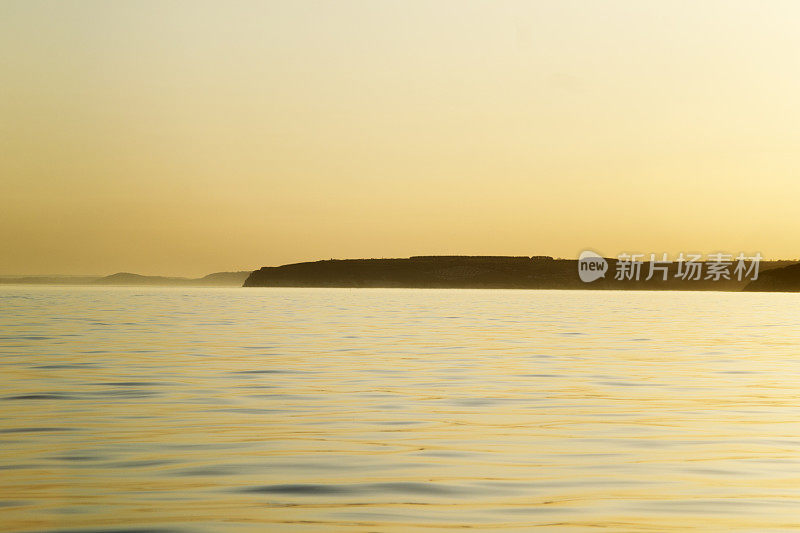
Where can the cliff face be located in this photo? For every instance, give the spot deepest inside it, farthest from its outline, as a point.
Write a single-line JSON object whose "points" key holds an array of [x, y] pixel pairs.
{"points": [[786, 279], [539, 272]]}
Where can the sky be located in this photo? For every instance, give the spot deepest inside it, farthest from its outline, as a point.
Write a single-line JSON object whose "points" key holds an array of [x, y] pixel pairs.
{"points": [[182, 138]]}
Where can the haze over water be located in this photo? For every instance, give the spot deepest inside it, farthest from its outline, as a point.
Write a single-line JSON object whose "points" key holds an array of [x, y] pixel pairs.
{"points": [[391, 410]]}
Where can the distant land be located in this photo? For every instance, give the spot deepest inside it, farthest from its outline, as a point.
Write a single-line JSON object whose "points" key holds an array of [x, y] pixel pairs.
{"points": [[217, 279], [491, 272], [456, 272]]}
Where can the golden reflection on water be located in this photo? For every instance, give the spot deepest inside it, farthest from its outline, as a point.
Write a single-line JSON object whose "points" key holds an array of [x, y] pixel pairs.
{"points": [[390, 410]]}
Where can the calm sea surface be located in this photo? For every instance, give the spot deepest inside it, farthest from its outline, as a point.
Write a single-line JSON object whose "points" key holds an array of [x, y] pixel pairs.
{"points": [[372, 410]]}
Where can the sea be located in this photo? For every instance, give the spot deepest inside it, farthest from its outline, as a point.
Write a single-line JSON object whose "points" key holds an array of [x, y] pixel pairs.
{"points": [[135, 410]]}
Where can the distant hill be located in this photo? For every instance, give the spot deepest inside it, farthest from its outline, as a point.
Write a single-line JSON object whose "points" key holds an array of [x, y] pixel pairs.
{"points": [[48, 280], [785, 279], [217, 279], [498, 272], [224, 278], [127, 278]]}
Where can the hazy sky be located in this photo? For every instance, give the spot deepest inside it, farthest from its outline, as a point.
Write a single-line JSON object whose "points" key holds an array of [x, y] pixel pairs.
{"points": [[183, 138]]}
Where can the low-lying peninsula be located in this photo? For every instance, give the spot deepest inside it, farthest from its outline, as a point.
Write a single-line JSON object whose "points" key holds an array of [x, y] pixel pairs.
{"points": [[468, 272]]}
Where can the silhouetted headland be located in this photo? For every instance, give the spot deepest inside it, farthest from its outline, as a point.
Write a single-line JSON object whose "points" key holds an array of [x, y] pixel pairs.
{"points": [[470, 272]]}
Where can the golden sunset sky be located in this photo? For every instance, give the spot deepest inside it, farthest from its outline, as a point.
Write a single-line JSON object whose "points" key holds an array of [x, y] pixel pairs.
{"points": [[182, 138]]}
